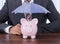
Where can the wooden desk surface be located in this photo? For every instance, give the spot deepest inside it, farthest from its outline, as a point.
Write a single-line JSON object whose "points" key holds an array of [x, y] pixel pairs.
{"points": [[42, 38]]}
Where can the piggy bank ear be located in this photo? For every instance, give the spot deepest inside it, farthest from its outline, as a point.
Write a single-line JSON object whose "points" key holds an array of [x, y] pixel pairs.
{"points": [[35, 20], [23, 20]]}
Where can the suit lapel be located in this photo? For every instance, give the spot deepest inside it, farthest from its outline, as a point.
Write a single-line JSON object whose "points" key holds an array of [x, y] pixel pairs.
{"points": [[15, 18], [20, 2]]}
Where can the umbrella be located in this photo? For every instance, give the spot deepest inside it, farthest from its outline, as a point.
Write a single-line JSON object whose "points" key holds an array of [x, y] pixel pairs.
{"points": [[30, 8]]}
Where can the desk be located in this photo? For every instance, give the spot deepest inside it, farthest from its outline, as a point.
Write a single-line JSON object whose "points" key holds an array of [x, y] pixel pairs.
{"points": [[42, 38]]}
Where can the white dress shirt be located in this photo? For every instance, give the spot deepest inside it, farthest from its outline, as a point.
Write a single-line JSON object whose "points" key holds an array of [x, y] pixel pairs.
{"points": [[7, 28]]}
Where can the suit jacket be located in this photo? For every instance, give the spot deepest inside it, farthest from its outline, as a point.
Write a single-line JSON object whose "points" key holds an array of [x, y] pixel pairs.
{"points": [[10, 5]]}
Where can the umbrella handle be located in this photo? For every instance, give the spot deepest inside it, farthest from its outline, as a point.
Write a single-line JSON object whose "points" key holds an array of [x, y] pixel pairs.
{"points": [[27, 1], [28, 16]]}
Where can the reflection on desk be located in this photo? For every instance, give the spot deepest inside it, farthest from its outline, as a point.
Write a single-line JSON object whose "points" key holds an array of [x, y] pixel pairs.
{"points": [[42, 38]]}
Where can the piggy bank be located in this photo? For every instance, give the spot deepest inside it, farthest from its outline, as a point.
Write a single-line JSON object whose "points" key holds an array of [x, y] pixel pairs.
{"points": [[29, 28]]}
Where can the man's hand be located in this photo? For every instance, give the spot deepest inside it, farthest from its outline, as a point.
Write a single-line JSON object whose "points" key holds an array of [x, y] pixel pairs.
{"points": [[16, 29]]}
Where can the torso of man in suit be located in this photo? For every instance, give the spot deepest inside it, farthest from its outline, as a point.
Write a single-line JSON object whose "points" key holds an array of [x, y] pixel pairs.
{"points": [[14, 19]]}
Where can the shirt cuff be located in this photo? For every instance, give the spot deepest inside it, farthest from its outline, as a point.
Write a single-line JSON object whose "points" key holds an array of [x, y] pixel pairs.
{"points": [[7, 29]]}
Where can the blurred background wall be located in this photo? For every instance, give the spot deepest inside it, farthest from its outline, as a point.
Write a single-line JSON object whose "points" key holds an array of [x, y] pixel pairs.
{"points": [[2, 3], [57, 4]]}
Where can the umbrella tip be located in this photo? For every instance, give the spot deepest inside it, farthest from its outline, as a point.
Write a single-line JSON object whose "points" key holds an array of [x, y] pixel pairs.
{"points": [[13, 12], [47, 12]]}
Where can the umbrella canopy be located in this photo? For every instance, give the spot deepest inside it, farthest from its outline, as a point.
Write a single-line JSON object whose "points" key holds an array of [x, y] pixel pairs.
{"points": [[30, 8]]}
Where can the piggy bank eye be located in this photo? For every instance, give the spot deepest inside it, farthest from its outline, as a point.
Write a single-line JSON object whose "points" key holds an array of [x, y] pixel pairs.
{"points": [[31, 26], [26, 25]]}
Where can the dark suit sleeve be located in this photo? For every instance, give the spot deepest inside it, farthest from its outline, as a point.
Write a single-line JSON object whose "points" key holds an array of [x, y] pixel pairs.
{"points": [[3, 17], [54, 13], [54, 18]]}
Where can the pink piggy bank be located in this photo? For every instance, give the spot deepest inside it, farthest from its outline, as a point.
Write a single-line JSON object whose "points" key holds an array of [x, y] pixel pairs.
{"points": [[29, 28]]}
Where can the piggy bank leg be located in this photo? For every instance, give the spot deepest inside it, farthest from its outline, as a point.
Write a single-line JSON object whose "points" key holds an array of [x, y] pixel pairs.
{"points": [[24, 36], [33, 37]]}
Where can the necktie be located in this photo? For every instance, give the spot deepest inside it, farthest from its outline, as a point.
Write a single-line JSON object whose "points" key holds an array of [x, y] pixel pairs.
{"points": [[27, 1], [27, 15]]}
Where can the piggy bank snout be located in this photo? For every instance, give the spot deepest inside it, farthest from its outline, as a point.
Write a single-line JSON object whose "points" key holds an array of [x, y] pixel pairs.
{"points": [[29, 30]]}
